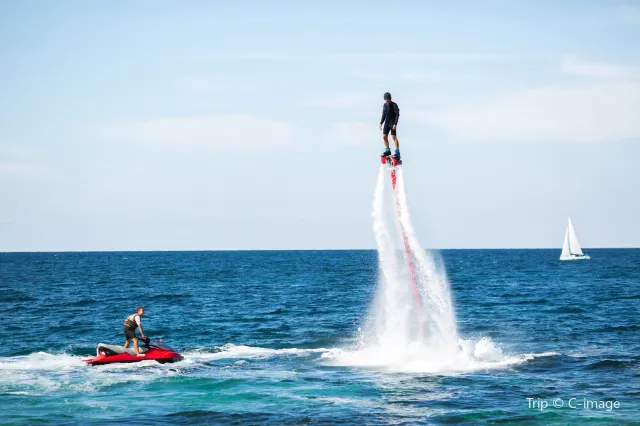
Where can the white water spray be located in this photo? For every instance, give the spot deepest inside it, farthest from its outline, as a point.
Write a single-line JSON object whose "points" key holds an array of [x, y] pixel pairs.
{"points": [[392, 339], [397, 319], [393, 316], [435, 293]]}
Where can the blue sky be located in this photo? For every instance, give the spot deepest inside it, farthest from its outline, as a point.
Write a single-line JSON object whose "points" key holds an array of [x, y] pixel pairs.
{"points": [[253, 125]]}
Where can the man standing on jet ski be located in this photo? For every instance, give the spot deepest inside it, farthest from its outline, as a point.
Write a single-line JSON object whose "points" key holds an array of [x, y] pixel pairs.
{"points": [[390, 117], [130, 324]]}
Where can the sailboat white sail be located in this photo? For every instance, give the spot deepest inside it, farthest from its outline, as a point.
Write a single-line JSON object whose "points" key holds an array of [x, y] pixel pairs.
{"points": [[571, 247]]}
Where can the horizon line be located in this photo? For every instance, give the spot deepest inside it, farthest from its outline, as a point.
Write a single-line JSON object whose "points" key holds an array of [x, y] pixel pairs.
{"points": [[283, 250]]}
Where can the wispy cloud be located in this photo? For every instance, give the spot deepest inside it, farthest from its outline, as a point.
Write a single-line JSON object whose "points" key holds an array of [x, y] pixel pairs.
{"points": [[463, 57], [199, 83], [371, 76], [574, 65], [352, 100], [225, 133], [598, 113], [603, 111], [356, 134], [415, 77], [22, 170], [409, 76], [629, 13]]}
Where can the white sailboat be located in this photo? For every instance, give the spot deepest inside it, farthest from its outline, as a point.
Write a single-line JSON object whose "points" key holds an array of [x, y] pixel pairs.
{"points": [[571, 247]]}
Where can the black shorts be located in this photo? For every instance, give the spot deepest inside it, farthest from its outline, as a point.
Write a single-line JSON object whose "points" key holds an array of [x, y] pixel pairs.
{"points": [[388, 129], [130, 333]]}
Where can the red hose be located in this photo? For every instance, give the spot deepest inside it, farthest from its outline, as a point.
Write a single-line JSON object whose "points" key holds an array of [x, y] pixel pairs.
{"points": [[407, 250]]}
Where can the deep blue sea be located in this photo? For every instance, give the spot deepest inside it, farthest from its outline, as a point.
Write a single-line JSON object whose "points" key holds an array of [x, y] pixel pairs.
{"points": [[256, 327]]}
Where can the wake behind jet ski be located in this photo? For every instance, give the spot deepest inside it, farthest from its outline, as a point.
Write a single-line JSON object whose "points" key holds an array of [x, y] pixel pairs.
{"points": [[153, 349]]}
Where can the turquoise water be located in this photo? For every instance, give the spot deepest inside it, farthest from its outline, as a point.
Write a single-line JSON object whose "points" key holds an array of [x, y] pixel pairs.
{"points": [[273, 338]]}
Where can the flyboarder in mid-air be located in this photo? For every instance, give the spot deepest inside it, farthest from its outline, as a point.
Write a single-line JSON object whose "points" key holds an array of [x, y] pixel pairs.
{"points": [[390, 117]]}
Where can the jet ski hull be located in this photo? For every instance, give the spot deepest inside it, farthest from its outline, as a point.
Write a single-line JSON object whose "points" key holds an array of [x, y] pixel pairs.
{"points": [[109, 354]]}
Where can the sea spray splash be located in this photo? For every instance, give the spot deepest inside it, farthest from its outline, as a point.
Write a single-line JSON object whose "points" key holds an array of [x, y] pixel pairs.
{"points": [[435, 290], [409, 258], [391, 340], [398, 323], [391, 314]]}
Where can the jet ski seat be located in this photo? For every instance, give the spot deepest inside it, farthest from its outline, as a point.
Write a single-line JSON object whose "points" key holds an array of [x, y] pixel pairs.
{"points": [[115, 349]]}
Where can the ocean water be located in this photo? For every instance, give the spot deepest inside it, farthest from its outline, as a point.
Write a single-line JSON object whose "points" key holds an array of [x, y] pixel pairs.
{"points": [[278, 337]]}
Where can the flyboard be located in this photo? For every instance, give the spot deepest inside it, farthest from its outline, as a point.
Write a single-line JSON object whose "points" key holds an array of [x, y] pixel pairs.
{"points": [[394, 163]]}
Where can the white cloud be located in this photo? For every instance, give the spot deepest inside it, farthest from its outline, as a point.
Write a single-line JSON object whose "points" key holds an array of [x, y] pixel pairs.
{"points": [[199, 83], [342, 57], [410, 76], [629, 13], [576, 66], [374, 76], [414, 76], [354, 134], [341, 101], [24, 170], [587, 114], [227, 133]]}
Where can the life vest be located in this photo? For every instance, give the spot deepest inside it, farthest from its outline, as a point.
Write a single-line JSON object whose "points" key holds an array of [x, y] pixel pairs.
{"points": [[130, 322]]}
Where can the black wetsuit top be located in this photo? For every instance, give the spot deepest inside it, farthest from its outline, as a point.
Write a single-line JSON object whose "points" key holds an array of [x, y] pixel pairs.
{"points": [[390, 113]]}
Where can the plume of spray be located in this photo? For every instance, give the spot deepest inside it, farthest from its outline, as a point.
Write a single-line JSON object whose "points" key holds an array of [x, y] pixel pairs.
{"points": [[435, 292], [413, 310], [392, 315], [404, 332]]}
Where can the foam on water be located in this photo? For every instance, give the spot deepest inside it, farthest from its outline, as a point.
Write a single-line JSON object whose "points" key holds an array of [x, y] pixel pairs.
{"points": [[43, 373], [42, 362], [418, 357], [231, 351]]}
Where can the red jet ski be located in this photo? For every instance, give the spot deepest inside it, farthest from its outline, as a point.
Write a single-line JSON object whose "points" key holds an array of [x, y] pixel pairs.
{"points": [[153, 349]]}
